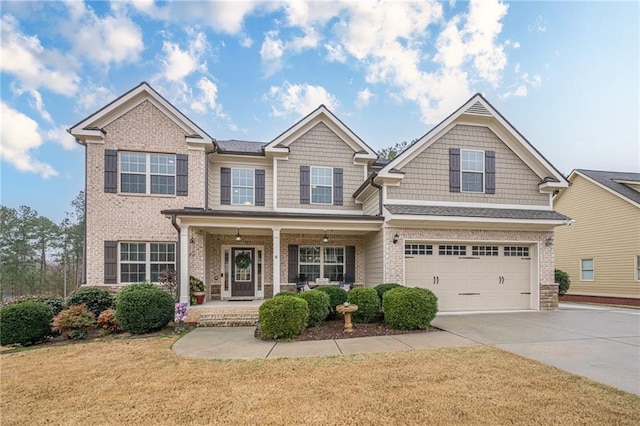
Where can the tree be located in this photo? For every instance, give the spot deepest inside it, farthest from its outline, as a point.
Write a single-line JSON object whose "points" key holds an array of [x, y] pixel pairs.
{"points": [[392, 152]]}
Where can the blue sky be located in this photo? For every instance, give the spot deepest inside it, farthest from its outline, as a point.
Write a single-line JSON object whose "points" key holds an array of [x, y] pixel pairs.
{"points": [[565, 74]]}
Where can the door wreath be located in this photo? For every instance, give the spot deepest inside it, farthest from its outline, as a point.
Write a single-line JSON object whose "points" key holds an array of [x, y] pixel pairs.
{"points": [[243, 260]]}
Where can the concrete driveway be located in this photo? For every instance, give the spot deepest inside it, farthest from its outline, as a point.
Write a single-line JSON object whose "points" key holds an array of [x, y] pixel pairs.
{"points": [[600, 343]]}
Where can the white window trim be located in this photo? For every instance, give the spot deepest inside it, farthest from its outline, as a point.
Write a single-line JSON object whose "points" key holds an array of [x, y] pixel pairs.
{"points": [[147, 261], [593, 269], [147, 174], [636, 267], [473, 171], [311, 185], [226, 278], [322, 264], [253, 187]]}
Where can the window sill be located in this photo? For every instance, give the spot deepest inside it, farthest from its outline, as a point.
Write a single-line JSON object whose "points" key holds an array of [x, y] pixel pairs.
{"points": [[132, 194]]}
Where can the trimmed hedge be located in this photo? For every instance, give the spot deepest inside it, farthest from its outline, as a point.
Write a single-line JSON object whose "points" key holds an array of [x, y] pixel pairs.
{"points": [[368, 304], [141, 308], [318, 306], [285, 293], [283, 317], [383, 288], [409, 308], [56, 303], [25, 322], [337, 297], [562, 278], [96, 299]]}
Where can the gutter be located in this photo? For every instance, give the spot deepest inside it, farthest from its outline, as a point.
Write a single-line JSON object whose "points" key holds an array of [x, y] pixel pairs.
{"points": [[175, 225], [379, 188]]}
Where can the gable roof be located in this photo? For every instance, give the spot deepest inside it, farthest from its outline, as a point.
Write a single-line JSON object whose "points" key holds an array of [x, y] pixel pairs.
{"points": [[324, 115], [611, 182], [92, 126], [478, 109], [234, 146]]}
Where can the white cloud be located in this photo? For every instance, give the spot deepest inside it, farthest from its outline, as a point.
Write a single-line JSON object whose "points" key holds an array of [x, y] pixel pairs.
{"points": [[299, 99], [179, 63], [518, 92], [246, 41], [271, 53], [91, 97], [538, 25], [335, 53], [363, 97], [60, 136], [19, 135], [35, 102], [207, 99], [31, 64]]}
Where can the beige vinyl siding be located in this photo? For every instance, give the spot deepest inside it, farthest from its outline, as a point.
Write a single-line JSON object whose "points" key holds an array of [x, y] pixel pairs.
{"points": [[607, 230], [374, 261], [322, 148], [427, 176], [217, 162], [371, 205]]}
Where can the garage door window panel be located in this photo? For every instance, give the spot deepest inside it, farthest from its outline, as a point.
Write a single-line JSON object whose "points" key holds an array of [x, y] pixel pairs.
{"points": [[484, 251], [516, 251], [418, 249], [452, 250]]}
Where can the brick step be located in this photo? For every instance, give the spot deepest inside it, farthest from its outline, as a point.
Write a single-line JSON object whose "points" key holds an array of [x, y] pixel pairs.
{"points": [[229, 317]]}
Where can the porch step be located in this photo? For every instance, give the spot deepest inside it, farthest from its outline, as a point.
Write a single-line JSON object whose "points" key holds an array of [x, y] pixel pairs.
{"points": [[245, 316]]}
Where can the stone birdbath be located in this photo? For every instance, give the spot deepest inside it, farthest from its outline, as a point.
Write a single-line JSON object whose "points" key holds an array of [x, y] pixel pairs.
{"points": [[347, 309]]}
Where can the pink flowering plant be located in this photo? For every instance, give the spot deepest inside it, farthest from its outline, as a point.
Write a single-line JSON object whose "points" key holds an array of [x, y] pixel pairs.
{"points": [[107, 322], [74, 322]]}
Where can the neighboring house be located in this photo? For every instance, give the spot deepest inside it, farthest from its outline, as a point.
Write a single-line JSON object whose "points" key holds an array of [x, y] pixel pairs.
{"points": [[601, 251], [465, 211]]}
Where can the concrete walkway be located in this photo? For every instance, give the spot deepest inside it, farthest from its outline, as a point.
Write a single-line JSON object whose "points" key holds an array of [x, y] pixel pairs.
{"points": [[239, 343]]}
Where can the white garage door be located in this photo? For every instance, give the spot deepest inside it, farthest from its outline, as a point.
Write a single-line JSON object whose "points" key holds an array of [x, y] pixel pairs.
{"points": [[470, 277]]}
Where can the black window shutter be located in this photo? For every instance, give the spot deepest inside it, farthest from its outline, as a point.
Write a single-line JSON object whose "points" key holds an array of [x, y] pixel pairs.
{"points": [[225, 185], [182, 175], [293, 264], [259, 187], [350, 264], [110, 170], [337, 186], [490, 172], [454, 170], [110, 262], [305, 185]]}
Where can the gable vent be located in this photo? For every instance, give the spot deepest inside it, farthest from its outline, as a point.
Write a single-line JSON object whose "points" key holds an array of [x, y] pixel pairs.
{"points": [[478, 109]]}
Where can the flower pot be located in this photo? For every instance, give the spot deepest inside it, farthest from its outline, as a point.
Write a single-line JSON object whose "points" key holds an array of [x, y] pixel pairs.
{"points": [[199, 297]]}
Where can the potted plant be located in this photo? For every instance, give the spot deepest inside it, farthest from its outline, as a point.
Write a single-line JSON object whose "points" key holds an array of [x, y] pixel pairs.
{"points": [[196, 287]]}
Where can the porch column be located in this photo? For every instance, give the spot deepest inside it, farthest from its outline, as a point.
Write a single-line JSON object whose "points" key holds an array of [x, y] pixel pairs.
{"points": [[184, 265], [276, 260]]}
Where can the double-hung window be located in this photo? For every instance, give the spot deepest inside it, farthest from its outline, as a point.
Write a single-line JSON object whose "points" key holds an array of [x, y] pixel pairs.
{"points": [[638, 267], [586, 269], [321, 262], [242, 186], [146, 173], [321, 185], [145, 261], [472, 170]]}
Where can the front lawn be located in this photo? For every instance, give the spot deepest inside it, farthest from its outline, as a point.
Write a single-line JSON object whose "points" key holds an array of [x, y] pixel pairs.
{"points": [[141, 381]]}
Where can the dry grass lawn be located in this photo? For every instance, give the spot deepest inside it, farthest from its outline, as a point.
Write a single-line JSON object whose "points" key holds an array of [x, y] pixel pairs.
{"points": [[142, 382]]}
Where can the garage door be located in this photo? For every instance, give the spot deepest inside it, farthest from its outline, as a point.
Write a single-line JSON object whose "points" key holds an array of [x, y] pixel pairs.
{"points": [[469, 277]]}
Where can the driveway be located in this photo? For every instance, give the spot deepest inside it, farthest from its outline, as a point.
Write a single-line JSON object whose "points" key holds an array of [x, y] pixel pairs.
{"points": [[600, 343]]}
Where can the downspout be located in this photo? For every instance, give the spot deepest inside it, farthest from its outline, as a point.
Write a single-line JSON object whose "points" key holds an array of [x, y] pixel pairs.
{"points": [[175, 225], [379, 188], [206, 180]]}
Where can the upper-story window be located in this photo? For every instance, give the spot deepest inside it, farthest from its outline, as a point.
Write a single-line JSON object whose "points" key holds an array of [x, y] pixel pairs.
{"points": [[146, 173], [321, 185], [242, 186], [472, 169]]}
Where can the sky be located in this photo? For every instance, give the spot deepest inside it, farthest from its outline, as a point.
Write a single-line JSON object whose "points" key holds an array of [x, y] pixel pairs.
{"points": [[565, 74]]}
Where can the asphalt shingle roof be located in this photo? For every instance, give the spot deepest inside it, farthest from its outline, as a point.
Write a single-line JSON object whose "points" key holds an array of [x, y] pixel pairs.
{"points": [[608, 179], [476, 212], [233, 145]]}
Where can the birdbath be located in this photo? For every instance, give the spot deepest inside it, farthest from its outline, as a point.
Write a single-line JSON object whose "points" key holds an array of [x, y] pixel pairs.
{"points": [[347, 309]]}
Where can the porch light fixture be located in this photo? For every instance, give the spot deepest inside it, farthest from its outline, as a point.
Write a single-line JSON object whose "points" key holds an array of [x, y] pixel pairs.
{"points": [[548, 242], [325, 239], [395, 239], [238, 236], [192, 240]]}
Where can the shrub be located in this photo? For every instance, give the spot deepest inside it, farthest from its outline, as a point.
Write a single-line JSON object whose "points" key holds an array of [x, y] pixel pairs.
{"points": [[318, 306], [74, 322], [285, 293], [337, 296], [562, 278], [96, 299], [56, 303], [107, 322], [25, 322], [383, 288], [141, 308], [368, 304], [409, 308], [283, 317]]}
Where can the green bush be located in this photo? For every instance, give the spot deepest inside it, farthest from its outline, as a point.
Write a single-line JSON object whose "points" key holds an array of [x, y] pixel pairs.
{"points": [[141, 308], [96, 299], [318, 306], [285, 293], [383, 288], [74, 322], [25, 322], [56, 303], [283, 317], [409, 308], [562, 278], [337, 296], [368, 304]]}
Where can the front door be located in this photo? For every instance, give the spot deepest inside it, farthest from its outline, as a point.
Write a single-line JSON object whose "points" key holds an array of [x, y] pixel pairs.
{"points": [[242, 267]]}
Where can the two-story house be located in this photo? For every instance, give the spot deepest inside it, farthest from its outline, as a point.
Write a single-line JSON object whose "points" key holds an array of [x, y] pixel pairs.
{"points": [[465, 211]]}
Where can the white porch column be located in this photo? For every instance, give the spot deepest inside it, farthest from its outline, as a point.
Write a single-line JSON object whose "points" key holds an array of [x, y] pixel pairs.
{"points": [[276, 260], [184, 264]]}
